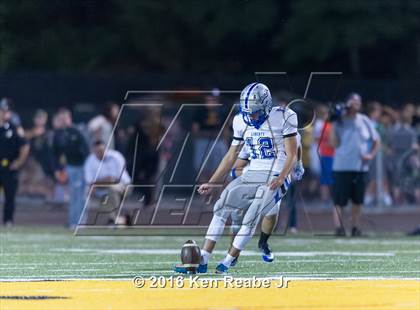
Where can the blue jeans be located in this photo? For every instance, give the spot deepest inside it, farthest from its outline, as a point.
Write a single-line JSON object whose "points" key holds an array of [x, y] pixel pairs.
{"points": [[77, 193]]}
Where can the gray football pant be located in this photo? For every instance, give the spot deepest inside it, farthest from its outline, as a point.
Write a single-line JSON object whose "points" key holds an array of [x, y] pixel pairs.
{"points": [[248, 198]]}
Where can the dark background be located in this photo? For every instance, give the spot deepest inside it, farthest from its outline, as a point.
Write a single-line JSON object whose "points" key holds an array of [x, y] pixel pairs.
{"points": [[55, 53], [372, 39]]}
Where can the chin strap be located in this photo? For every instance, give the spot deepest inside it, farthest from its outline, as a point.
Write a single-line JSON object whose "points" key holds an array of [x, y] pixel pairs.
{"points": [[257, 125]]}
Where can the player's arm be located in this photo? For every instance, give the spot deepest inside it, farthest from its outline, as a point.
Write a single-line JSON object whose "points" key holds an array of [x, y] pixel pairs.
{"points": [[299, 170], [229, 159], [240, 164], [290, 146], [224, 167], [299, 153]]}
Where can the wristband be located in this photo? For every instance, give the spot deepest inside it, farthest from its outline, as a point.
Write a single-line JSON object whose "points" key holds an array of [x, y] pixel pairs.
{"points": [[233, 173]]}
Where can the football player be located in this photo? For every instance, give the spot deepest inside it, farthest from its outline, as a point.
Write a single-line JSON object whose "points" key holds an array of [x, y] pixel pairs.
{"points": [[270, 134], [270, 219]]}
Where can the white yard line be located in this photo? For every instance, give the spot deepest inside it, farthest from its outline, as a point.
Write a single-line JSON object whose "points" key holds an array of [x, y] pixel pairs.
{"points": [[93, 252], [25, 238], [84, 263], [221, 252]]}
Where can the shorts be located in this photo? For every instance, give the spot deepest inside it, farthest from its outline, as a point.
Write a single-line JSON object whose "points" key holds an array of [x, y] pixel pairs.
{"points": [[349, 185], [326, 170]]}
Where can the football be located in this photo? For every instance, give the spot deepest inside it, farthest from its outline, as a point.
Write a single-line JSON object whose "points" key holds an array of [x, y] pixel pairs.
{"points": [[190, 256]]}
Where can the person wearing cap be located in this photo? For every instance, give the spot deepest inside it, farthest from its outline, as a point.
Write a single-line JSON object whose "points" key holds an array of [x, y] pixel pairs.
{"points": [[14, 151], [11, 116], [356, 143]]}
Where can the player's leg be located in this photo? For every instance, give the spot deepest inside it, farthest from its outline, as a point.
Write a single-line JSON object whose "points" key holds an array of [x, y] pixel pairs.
{"points": [[236, 220], [214, 232], [241, 239], [235, 192], [231, 201], [267, 226], [249, 224], [269, 222]]}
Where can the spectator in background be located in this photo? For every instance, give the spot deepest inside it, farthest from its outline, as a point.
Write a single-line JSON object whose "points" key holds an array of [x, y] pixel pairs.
{"points": [[38, 136], [377, 165], [12, 117], [60, 187], [326, 153], [13, 153], [206, 125], [100, 127], [108, 179], [70, 151], [297, 175], [402, 139], [416, 121], [315, 132], [356, 142], [40, 170], [142, 153]]}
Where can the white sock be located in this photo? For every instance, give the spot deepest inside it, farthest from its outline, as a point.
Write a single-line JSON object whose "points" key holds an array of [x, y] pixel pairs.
{"points": [[204, 257], [228, 260]]}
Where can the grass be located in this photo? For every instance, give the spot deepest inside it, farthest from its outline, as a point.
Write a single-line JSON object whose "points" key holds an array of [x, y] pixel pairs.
{"points": [[54, 253]]}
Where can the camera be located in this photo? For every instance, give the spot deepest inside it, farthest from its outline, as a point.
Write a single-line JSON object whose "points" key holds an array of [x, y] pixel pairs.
{"points": [[337, 110]]}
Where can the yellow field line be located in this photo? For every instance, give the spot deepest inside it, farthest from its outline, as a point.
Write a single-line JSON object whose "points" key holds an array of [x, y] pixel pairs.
{"points": [[313, 294]]}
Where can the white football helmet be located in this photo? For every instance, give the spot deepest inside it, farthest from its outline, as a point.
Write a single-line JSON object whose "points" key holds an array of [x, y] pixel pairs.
{"points": [[256, 104]]}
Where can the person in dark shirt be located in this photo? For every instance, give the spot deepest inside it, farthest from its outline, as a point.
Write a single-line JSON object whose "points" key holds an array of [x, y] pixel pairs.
{"points": [[207, 122], [14, 150], [144, 164], [70, 151], [40, 138]]}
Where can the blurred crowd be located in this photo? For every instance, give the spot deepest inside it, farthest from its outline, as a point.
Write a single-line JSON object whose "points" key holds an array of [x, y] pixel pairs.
{"points": [[394, 173], [65, 158]]}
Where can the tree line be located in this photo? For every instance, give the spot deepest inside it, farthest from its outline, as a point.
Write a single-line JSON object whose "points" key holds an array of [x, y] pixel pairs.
{"points": [[376, 38]]}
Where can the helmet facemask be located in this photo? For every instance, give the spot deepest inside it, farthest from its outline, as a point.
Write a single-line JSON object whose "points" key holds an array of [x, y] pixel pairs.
{"points": [[255, 119]]}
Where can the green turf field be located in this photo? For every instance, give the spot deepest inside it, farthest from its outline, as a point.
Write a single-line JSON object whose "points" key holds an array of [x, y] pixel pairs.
{"points": [[54, 253]]}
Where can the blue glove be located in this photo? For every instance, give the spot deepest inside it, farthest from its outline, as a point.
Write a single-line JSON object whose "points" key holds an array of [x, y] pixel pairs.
{"points": [[298, 171]]}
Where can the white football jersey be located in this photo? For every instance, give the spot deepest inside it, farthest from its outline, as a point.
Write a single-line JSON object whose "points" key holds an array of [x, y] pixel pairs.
{"points": [[265, 145], [245, 152]]}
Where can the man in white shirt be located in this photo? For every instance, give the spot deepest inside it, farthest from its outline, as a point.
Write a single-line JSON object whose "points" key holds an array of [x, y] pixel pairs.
{"points": [[106, 171], [356, 143]]}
